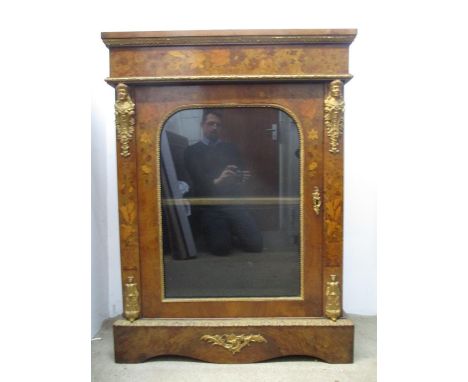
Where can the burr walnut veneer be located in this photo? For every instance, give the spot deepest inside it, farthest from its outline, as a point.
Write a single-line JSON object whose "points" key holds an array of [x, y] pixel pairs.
{"points": [[299, 74]]}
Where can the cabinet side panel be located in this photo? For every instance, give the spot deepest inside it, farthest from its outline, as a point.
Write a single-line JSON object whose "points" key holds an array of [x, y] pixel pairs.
{"points": [[128, 210], [333, 206]]}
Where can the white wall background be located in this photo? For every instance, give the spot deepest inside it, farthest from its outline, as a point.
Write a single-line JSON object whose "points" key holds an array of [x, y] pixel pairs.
{"points": [[106, 295], [360, 180]]}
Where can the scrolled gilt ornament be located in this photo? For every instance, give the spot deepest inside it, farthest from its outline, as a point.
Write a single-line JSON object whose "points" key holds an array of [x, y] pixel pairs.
{"points": [[233, 343], [334, 114], [124, 118], [317, 200], [333, 297], [132, 301]]}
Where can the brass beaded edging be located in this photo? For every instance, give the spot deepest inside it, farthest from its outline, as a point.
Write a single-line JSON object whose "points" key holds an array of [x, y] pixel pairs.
{"points": [[159, 201], [235, 322], [144, 80]]}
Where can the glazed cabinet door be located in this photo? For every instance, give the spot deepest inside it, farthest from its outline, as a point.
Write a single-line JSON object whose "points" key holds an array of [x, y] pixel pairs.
{"points": [[229, 195]]}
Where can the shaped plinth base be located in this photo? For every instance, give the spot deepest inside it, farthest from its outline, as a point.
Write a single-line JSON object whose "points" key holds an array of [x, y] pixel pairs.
{"points": [[236, 340]]}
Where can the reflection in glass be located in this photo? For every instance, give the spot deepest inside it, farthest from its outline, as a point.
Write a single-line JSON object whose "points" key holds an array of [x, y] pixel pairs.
{"points": [[230, 202]]}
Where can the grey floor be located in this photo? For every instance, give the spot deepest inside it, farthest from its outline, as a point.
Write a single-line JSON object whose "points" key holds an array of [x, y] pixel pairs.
{"points": [[292, 369], [240, 274], [271, 273]]}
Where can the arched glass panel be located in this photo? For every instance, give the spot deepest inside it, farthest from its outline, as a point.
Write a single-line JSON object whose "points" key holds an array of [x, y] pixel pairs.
{"points": [[230, 198]]}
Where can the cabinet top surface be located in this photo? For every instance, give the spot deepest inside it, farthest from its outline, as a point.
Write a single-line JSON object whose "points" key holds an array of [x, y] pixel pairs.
{"points": [[214, 37]]}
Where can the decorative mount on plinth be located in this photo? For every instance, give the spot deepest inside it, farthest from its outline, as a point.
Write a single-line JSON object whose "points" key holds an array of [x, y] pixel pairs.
{"points": [[124, 118], [233, 343], [334, 115]]}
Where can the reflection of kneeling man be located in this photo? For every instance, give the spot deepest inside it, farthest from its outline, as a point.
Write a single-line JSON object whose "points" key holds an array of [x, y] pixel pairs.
{"points": [[215, 170]]}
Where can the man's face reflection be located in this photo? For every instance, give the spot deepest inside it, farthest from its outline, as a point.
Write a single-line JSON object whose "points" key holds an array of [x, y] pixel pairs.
{"points": [[211, 127]]}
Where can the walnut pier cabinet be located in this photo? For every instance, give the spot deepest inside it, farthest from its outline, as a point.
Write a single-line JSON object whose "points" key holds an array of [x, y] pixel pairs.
{"points": [[230, 184]]}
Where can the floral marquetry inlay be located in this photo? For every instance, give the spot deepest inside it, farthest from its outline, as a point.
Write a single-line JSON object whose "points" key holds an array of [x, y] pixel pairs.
{"points": [[146, 169], [145, 138], [312, 135], [312, 167], [312, 140], [333, 214], [128, 214]]}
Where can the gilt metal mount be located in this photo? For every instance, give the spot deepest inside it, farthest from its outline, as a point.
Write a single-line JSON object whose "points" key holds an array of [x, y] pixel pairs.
{"points": [[124, 118], [334, 115], [231, 342]]}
